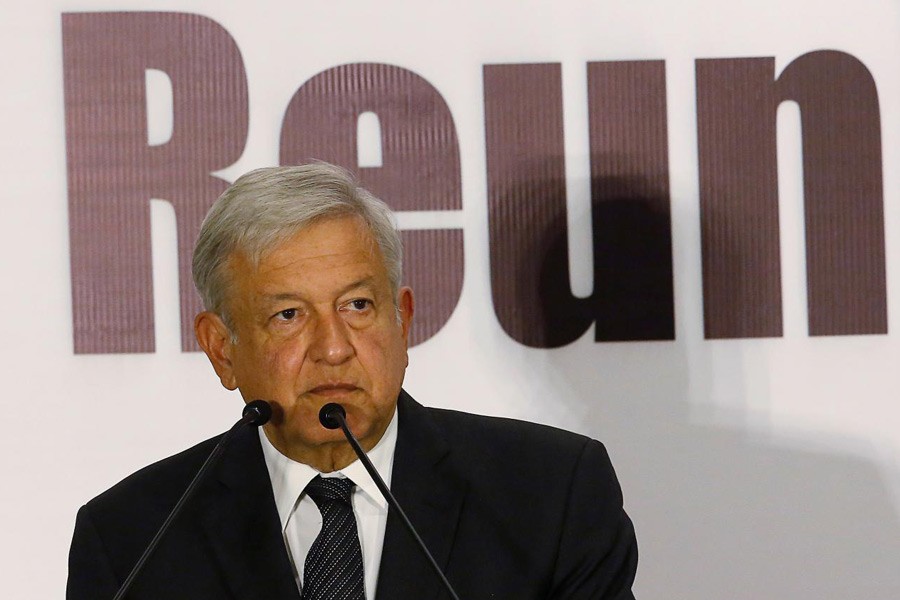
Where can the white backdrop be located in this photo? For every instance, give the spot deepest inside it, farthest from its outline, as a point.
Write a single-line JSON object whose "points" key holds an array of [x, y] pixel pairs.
{"points": [[763, 468]]}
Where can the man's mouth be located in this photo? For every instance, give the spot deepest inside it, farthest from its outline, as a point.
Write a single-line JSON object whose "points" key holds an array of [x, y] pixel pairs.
{"points": [[333, 389]]}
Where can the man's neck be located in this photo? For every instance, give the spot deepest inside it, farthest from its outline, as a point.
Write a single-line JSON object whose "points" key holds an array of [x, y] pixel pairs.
{"points": [[325, 458]]}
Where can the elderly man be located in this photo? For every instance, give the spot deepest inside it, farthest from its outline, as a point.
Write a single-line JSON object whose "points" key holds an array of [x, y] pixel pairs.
{"points": [[299, 270]]}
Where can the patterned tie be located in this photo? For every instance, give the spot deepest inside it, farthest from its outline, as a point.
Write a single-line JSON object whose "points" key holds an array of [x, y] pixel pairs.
{"points": [[333, 569]]}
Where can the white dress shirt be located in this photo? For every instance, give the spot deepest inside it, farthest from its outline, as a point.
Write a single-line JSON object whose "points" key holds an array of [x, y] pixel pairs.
{"points": [[301, 520]]}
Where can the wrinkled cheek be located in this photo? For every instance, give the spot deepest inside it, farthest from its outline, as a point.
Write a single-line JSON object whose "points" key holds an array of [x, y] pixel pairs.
{"points": [[275, 386], [396, 360], [284, 366]]}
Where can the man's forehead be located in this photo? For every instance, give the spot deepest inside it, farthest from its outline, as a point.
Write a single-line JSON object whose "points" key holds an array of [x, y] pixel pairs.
{"points": [[253, 252], [295, 267]]}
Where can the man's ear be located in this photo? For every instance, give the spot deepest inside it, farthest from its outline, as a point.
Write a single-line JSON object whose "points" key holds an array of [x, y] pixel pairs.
{"points": [[406, 306], [215, 339]]}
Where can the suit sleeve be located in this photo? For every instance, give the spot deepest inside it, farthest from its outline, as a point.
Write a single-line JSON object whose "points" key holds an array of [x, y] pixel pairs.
{"points": [[597, 556], [90, 574]]}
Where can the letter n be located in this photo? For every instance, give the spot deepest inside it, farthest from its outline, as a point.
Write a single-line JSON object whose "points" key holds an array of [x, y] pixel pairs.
{"points": [[737, 101]]}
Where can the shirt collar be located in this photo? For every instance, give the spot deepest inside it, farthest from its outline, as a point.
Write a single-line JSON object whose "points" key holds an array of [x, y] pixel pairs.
{"points": [[289, 477]]}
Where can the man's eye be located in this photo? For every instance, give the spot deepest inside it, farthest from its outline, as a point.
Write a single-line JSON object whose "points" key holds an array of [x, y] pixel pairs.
{"points": [[359, 304], [287, 314]]}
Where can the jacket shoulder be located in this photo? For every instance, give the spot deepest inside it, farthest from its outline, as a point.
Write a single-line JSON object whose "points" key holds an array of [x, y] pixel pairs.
{"points": [[521, 450], [155, 484], [495, 431]]}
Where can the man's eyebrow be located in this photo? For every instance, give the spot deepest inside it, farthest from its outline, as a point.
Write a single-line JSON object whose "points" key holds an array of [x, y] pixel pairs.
{"points": [[364, 282], [359, 283], [272, 298]]}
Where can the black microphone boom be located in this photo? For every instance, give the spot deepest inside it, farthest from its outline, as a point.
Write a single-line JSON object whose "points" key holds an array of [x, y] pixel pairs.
{"points": [[255, 413], [332, 416]]}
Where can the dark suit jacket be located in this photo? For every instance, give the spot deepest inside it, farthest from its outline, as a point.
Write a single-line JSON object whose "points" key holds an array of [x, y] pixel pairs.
{"points": [[509, 510]]}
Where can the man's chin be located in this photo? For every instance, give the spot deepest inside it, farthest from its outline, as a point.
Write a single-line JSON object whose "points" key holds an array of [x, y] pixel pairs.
{"points": [[294, 442]]}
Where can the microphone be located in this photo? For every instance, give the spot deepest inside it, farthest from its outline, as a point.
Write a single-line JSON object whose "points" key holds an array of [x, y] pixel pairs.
{"points": [[255, 414], [332, 416]]}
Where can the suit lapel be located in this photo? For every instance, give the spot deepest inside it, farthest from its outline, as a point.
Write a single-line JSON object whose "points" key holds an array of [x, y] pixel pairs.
{"points": [[432, 496], [242, 525]]}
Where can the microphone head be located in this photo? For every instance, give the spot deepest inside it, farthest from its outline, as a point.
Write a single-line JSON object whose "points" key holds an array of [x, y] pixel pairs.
{"points": [[328, 415], [259, 412]]}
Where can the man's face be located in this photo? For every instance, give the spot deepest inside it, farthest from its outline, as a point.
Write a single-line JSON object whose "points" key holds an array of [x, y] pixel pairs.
{"points": [[315, 323]]}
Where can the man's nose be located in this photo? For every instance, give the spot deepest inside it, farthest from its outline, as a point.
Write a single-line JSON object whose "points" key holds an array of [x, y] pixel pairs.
{"points": [[332, 340]]}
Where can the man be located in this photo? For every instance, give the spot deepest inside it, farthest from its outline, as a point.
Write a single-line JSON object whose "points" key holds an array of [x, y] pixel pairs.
{"points": [[299, 270]]}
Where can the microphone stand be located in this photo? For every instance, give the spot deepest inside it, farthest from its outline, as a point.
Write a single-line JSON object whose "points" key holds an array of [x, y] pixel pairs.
{"points": [[332, 416], [256, 413]]}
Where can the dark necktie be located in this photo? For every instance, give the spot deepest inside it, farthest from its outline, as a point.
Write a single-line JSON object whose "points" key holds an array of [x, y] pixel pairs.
{"points": [[333, 569]]}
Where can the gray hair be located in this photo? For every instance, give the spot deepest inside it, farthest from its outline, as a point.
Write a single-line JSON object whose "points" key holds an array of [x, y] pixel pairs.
{"points": [[266, 206]]}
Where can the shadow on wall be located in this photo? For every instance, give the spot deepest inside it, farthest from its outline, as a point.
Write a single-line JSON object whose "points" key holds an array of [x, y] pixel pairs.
{"points": [[721, 512]]}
